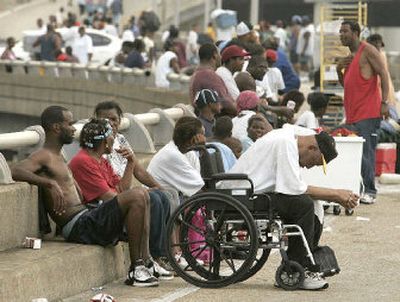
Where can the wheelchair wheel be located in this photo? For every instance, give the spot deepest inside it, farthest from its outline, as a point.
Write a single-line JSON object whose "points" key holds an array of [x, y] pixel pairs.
{"points": [[337, 210], [259, 261], [290, 275], [205, 222]]}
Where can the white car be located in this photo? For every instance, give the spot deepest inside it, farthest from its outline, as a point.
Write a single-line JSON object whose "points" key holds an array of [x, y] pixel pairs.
{"points": [[105, 46]]}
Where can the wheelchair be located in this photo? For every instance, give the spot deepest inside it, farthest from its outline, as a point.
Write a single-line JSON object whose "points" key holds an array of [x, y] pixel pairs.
{"points": [[237, 232]]}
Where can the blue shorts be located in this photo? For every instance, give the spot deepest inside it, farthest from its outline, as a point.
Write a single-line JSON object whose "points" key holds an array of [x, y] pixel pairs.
{"points": [[102, 225]]}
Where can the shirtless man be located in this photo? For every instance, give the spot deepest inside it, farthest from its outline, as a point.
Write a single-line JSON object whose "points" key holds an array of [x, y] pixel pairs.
{"points": [[364, 101], [46, 168]]}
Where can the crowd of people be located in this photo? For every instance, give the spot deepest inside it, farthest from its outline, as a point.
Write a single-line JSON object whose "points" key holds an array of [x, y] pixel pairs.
{"points": [[244, 92]]}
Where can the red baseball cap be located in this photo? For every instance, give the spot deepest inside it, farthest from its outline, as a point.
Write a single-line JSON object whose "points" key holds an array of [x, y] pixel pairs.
{"points": [[233, 51], [271, 54]]}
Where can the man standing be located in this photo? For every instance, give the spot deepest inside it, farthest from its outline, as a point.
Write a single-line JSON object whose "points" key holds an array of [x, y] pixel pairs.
{"points": [[83, 47], [62, 197], [364, 100], [192, 47], [49, 43]]}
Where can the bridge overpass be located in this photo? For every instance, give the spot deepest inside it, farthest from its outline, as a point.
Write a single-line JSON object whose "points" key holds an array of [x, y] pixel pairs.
{"points": [[32, 86]]}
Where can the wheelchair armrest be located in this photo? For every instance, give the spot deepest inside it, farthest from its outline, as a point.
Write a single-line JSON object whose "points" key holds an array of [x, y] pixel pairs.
{"points": [[233, 176]]}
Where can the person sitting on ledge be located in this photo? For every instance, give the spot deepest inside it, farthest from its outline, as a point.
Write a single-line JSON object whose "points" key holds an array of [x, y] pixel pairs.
{"points": [[103, 225]]}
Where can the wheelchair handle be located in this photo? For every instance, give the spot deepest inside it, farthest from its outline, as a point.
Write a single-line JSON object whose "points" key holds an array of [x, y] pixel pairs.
{"points": [[234, 176]]}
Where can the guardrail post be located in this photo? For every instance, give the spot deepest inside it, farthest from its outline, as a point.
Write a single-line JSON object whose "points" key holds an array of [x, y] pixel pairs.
{"points": [[19, 67], [187, 110], [162, 132], [138, 136], [5, 172], [174, 83], [115, 75], [23, 152], [79, 71], [64, 70]]}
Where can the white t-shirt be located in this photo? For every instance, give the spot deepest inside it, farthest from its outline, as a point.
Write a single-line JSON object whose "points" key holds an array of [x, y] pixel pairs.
{"points": [[82, 47], [229, 81], [263, 86], [240, 124], [163, 68], [272, 163], [275, 81], [170, 168], [128, 35], [281, 34], [192, 46], [308, 120], [301, 41]]}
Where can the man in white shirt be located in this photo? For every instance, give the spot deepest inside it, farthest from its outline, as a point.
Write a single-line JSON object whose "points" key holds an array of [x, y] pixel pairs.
{"points": [[318, 103], [247, 106], [305, 44], [232, 59], [174, 166], [274, 163], [273, 75], [192, 45], [83, 47], [167, 63], [281, 34], [258, 67]]}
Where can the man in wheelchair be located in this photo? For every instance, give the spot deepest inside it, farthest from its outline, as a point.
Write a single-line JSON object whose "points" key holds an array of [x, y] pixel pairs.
{"points": [[273, 164]]}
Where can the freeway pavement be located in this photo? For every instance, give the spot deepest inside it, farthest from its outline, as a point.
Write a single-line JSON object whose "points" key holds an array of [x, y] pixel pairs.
{"points": [[23, 17], [367, 246]]}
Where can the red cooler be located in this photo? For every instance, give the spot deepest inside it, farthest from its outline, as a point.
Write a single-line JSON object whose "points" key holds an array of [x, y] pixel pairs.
{"points": [[385, 158]]}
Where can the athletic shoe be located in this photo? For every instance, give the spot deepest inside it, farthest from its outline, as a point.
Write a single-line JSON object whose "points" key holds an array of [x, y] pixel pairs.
{"points": [[314, 281], [140, 276], [367, 199], [183, 264], [163, 261], [158, 271]]}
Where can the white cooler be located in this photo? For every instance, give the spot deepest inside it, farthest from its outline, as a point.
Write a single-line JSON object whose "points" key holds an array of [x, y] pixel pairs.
{"points": [[344, 172]]}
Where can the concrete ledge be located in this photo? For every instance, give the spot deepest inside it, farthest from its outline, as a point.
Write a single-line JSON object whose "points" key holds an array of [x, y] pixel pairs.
{"points": [[18, 214], [59, 270]]}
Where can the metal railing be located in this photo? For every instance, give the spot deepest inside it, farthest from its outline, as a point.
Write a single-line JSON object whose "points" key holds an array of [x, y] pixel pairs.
{"points": [[145, 132], [109, 74]]}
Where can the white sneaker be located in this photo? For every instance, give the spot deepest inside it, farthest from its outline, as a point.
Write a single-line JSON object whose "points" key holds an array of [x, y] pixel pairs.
{"points": [[159, 272], [367, 199], [314, 281], [183, 264], [140, 276]]}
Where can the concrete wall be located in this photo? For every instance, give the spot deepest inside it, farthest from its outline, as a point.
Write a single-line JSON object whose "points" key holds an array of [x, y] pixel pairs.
{"points": [[26, 274], [18, 214], [29, 95]]}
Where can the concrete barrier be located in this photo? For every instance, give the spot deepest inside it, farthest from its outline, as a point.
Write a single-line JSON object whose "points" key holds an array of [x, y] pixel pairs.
{"points": [[59, 270], [30, 95], [18, 214]]}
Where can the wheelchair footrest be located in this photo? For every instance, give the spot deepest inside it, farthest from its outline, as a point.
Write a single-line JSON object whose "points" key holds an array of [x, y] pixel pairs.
{"points": [[325, 258]]}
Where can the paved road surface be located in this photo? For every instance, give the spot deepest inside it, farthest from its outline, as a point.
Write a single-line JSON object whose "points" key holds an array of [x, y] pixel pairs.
{"points": [[367, 246], [23, 17]]}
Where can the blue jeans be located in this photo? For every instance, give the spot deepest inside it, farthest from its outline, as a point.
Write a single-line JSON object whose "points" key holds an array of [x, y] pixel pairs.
{"points": [[159, 215], [368, 130]]}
